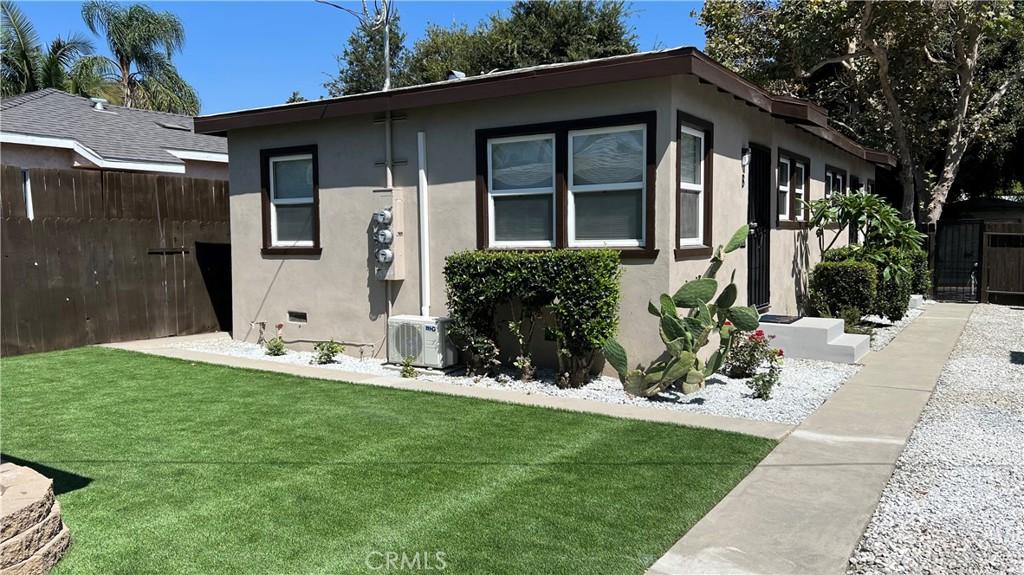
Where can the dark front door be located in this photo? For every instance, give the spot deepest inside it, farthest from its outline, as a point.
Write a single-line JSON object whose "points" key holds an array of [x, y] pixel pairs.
{"points": [[759, 212]]}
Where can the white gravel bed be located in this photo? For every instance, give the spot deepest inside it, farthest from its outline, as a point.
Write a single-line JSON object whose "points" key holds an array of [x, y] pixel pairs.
{"points": [[955, 502], [804, 385]]}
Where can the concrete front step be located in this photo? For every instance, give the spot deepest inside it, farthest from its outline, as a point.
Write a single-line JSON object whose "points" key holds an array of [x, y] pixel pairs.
{"points": [[818, 338]]}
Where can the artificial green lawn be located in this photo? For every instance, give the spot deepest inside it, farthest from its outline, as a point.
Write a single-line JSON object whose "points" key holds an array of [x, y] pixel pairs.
{"points": [[165, 466]]}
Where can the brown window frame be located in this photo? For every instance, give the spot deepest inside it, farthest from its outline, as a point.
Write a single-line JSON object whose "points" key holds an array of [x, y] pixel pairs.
{"points": [[561, 131], [269, 249], [791, 222], [708, 128]]}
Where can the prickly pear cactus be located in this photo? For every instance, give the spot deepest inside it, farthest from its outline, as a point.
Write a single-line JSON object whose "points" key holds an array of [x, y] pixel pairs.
{"points": [[685, 335]]}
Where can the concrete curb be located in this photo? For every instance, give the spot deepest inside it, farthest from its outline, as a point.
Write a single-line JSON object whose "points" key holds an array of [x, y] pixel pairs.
{"points": [[804, 507], [166, 348]]}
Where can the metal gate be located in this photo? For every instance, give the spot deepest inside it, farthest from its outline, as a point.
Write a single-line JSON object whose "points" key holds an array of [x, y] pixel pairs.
{"points": [[957, 266], [759, 212]]}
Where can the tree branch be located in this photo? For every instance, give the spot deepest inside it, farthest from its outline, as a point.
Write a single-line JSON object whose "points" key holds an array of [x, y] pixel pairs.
{"points": [[834, 60]]}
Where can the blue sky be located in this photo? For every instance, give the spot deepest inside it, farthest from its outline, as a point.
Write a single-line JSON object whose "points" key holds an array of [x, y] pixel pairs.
{"points": [[246, 54]]}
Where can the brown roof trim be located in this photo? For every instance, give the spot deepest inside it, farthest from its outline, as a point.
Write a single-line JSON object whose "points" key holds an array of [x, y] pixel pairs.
{"points": [[686, 60]]}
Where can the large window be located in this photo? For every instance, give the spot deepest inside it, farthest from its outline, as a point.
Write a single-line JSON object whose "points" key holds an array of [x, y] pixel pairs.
{"points": [[606, 186], [580, 183], [521, 180], [291, 200], [694, 149]]}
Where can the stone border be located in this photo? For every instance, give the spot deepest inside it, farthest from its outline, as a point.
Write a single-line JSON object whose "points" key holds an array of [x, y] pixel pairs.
{"points": [[167, 347]]}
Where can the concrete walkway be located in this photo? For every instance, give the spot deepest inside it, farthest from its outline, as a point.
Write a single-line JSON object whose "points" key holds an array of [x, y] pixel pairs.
{"points": [[172, 347], [804, 508]]}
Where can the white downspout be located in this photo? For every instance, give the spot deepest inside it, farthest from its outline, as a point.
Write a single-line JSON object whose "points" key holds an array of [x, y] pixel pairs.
{"points": [[422, 206]]}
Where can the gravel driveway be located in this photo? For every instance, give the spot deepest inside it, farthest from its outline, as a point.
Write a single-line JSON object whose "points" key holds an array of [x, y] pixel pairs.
{"points": [[955, 503]]}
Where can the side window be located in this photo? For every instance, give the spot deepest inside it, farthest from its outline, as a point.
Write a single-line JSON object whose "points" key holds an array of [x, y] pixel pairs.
{"points": [[521, 186], [799, 172], [691, 187], [291, 200], [783, 178]]}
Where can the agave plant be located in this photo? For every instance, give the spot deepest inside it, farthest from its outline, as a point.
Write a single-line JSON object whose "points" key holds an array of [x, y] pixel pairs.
{"points": [[685, 335]]}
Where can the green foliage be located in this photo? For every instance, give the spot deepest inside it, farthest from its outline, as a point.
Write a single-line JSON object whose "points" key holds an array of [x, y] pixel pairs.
{"points": [[324, 351], [763, 383], [921, 277], [361, 62], [140, 71], [579, 288], [878, 223], [295, 97], [833, 53], [685, 336], [24, 65], [540, 32], [894, 279], [838, 285], [275, 346], [750, 352], [408, 371]]}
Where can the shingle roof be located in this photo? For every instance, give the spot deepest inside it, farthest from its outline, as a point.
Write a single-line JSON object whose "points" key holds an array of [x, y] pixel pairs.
{"points": [[116, 133]]}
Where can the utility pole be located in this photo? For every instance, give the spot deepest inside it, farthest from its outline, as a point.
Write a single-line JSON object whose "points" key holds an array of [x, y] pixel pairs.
{"points": [[380, 18]]}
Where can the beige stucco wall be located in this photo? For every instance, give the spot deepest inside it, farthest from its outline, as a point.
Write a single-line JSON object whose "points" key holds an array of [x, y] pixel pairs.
{"points": [[337, 289]]}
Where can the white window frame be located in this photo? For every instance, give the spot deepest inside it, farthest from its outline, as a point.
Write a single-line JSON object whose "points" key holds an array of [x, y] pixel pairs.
{"points": [[625, 186], [685, 188], [783, 187], [491, 193], [275, 201], [799, 188], [832, 180]]}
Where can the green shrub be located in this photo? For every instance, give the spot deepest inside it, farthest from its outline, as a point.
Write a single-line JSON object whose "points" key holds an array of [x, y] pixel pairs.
{"points": [[750, 352], [894, 283], [324, 352], [836, 286], [580, 288], [275, 346], [922, 279], [408, 371]]}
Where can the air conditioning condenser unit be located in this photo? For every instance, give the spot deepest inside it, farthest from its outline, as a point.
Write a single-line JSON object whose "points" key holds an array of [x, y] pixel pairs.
{"points": [[424, 339]]}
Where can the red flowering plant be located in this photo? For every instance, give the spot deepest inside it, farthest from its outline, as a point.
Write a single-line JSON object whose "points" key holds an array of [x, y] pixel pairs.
{"points": [[753, 357]]}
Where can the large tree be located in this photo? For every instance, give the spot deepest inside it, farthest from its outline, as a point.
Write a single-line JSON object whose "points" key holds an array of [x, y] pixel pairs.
{"points": [[926, 80], [25, 66], [533, 33], [142, 42], [361, 62]]}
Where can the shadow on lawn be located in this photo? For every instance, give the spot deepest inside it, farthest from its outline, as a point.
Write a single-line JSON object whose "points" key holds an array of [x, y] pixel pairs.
{"points": [[63, 481]]}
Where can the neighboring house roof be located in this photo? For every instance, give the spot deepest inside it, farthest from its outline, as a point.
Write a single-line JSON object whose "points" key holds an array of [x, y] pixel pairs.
{"points": [[116, 137], [686, 60]]}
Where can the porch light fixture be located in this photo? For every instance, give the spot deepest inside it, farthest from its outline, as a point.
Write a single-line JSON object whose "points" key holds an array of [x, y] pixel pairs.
{"points": [[745, 157]]}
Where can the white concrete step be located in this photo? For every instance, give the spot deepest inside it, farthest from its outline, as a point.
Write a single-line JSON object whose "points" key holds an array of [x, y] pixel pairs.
{"points": [[818, 338]]}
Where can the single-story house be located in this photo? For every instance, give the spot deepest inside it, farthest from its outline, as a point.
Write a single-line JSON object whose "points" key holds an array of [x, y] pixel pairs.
{"points": [[661, 155], [53, 129]]}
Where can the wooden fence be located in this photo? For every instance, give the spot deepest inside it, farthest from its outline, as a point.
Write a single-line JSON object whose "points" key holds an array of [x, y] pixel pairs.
{"points": [[1003, 257], [110, 256]]}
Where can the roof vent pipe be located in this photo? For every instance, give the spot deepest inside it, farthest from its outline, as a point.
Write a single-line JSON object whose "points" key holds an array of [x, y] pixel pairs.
{"points": [[99, 103], [455, 75]]}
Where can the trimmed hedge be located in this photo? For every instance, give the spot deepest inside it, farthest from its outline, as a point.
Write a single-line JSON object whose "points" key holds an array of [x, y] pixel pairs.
{"points": [[895, 276], [922, 280], [579, 287], [838, 286]]}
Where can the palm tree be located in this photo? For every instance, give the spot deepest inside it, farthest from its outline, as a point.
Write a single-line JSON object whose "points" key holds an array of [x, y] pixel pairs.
{"points": [[142, 42], [25, 66]]}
